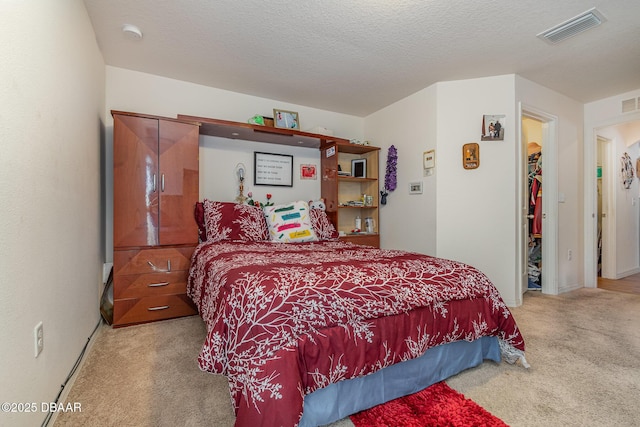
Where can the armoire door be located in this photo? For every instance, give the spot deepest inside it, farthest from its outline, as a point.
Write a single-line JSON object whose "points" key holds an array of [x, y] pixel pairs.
{"points": [[135, 181], [178, 182], [155, 181]]}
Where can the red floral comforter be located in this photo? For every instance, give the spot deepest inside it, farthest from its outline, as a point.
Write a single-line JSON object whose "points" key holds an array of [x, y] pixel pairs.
{"points": [[286, 319]]}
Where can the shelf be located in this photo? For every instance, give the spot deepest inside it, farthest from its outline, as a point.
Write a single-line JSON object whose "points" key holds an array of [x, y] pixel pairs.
{"points": [[345, 146], [273, 135], [337, 190], [353, 179]]}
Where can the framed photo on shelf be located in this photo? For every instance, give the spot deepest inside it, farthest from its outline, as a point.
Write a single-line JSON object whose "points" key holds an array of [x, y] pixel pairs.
{"points": [[273, 169], [286, 119], [359, 168]]}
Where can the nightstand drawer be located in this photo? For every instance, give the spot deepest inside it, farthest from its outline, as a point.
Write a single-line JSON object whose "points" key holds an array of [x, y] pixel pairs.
{"points": [[155, 260], [363, 239], [149, 309], [154, 284]]}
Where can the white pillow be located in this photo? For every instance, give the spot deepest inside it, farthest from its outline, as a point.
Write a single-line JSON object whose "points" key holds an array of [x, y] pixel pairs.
{"points": [[290, 223]]}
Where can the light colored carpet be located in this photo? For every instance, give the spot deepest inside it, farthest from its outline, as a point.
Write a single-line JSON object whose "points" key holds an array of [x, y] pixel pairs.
{"points": [[583, 347]]}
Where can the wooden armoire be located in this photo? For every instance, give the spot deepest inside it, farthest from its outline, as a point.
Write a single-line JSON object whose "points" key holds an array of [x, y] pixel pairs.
{"points": [[155, 188]]}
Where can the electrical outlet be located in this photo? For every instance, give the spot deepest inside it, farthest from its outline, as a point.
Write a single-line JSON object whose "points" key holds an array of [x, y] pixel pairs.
{"points": [[38, 337], [569, 255]]}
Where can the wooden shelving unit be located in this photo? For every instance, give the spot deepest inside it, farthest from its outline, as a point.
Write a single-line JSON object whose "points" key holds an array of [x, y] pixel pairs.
{"points": [[336, 190]]}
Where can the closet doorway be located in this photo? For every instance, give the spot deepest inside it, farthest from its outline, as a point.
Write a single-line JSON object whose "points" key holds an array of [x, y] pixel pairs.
{"points": [[605, 217], [538, 202], [532, 136]]}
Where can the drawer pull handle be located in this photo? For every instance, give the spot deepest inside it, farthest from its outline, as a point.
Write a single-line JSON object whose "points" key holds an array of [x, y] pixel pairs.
{"points": [[157, 285], [153, 266], [160, 307]]}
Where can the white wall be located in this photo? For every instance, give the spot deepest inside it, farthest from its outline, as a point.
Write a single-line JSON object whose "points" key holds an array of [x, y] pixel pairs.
{"points": [[407, 221], [52, 91], [218, 160], [477, 208], [472, 215], [146, 93], [133, 91], [597, 115], [467, 215], [532, 131]]}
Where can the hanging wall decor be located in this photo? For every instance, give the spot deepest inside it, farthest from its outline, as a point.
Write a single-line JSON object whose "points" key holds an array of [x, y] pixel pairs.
{"points": [[471, 155], [308, 172], [390, 178], [626, 171], [272, 169], [428, 162], [493, 127]]}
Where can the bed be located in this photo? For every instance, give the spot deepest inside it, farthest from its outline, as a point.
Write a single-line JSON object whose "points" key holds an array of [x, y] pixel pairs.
{"points": [[308, 332]]}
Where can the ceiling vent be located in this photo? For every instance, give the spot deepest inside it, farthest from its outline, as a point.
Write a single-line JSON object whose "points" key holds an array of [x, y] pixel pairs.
{"points": [[574, 26], [629, 105]]}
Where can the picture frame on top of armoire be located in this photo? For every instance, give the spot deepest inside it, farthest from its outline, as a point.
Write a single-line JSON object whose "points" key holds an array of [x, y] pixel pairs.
{"points": [[284, 119]]}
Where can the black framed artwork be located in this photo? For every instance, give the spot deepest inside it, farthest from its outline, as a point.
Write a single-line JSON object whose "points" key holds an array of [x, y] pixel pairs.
{"points": [[273, 169], [359, 168]]}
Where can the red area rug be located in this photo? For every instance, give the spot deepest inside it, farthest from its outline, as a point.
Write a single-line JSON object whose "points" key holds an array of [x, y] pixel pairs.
{"points": [[437, 405]]}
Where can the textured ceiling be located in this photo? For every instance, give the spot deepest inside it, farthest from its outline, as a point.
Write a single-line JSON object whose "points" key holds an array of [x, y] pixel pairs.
{"points": [[358, 56]]}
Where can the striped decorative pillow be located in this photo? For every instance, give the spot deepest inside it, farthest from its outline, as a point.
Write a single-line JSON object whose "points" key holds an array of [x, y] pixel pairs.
{"points": [[290, 223]]}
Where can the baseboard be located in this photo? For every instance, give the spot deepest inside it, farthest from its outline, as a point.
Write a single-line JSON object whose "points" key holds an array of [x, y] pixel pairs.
{"points": [[569, 288], [627, 273], [82, 357]]}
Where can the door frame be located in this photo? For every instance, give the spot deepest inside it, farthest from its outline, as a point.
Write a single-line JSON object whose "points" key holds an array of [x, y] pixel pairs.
{"points": [[591, 197], [549, 201], [608, 200]]}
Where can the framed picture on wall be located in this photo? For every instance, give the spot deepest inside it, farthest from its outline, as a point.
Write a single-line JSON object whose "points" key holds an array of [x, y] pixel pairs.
{"points": [[273, 169], [493, 127], [308, 172], [471, 155], [429, 159]]}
